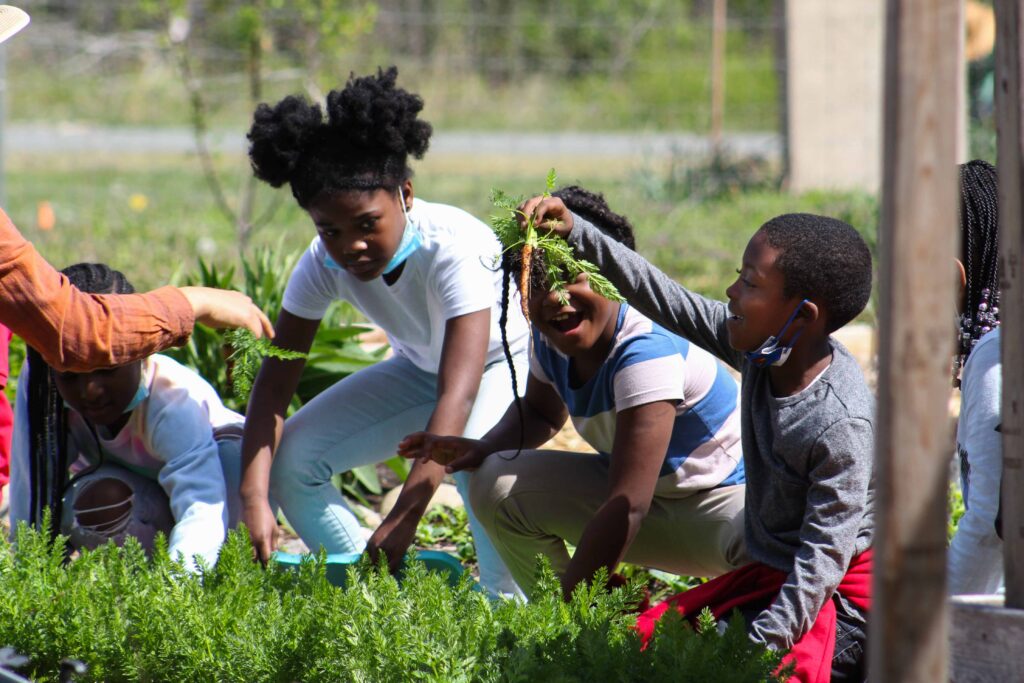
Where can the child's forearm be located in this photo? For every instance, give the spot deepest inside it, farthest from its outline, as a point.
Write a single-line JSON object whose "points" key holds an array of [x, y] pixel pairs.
{"points": [[272, 391], [418, 489], [536, 429], [604, 542], [200, 532], [653, 293]]}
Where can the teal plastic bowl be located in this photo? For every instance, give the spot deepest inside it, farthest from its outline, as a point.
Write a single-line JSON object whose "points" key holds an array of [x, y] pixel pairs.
{"points": [[337, 564]]}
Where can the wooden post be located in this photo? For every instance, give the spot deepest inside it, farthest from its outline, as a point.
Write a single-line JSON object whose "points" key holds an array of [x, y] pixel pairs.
{"points": [[779, 8], [718, 26], [987, 634], [1011, 226], [909, 623]]}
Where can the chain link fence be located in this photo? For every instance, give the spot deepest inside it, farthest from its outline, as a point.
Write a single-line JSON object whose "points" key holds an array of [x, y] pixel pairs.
{"points": [[479, 64]]}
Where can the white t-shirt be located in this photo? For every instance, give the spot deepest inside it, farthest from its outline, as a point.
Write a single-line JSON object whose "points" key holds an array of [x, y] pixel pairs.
{"points": [[452, 273], [976, 552], [170, 438]]}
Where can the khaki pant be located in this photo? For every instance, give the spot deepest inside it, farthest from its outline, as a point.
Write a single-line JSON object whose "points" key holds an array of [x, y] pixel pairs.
{"points": [[538, 501]]}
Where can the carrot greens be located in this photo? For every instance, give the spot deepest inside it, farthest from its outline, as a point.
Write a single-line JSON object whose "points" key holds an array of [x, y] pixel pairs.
{"points": [[561, 264]]}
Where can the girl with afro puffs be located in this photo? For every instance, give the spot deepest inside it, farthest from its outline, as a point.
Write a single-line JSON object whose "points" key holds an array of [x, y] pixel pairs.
{"points": [[423, 272]]}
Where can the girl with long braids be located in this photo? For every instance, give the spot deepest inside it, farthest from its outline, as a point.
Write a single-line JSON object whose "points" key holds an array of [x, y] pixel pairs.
{"points": [[423, 272], [666, 490], [976, 553], [150, 445]]}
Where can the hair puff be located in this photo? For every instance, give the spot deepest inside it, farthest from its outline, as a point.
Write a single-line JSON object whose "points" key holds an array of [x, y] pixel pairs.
{"points": [[279, 137]]}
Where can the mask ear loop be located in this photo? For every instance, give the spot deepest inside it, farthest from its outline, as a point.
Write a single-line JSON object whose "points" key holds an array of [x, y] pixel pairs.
{"points": [[792, 317], [409, 243], [405, 210], [771, 352]]}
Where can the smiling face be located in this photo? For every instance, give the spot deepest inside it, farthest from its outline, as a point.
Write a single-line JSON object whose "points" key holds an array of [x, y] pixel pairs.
{"points": [[586, 325], [101, 396], [361, 229], [757, 305]]}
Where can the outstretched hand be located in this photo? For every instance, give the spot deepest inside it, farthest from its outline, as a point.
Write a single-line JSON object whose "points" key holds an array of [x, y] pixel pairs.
{"points": [[227, 308], [549, 213], [453, 452]]}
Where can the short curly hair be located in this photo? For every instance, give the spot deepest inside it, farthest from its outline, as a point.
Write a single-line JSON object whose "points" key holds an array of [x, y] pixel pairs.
{"points": [[823, 259], [370, 130]]}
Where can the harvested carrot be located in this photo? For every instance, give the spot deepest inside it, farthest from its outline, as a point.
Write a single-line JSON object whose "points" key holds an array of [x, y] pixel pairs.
{"points": [[524, 278], [560, 262]]}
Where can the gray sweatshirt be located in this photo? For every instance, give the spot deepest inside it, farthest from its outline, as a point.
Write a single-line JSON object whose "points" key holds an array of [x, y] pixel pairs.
{"points": [[808, 457]]}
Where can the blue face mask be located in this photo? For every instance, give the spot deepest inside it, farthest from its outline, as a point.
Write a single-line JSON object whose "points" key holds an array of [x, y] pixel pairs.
{"points": [[141, 394], [772, 352], [410, 242]]}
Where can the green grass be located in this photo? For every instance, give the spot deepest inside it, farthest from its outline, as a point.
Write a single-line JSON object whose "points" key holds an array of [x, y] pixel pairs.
{"points": [[660, 99], [698, 243], [660, 81]]}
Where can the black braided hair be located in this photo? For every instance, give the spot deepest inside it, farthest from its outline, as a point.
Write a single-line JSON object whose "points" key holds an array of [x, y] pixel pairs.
{"points": [[589, 205], [47, 417], [98, 278], [979, 252], [370, 130], [506, 278]]}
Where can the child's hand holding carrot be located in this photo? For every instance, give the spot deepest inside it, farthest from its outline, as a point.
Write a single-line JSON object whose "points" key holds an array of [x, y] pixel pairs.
{"points": [[549, 213]]}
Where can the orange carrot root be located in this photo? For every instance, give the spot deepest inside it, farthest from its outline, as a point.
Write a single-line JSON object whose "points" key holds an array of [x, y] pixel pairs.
{"points": [[524, 279]]}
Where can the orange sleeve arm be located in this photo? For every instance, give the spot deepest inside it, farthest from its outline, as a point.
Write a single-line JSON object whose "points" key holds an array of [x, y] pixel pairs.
{"points": [[77, 331]]}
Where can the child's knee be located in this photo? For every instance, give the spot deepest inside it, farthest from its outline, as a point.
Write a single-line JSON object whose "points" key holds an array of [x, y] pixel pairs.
{"points": [[733, 538], [490, 485], [103, 505], [296, 466], [113, 504]]}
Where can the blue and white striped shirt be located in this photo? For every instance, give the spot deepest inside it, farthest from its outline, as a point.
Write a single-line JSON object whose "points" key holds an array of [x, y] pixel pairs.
{"points": [[647, 363]]}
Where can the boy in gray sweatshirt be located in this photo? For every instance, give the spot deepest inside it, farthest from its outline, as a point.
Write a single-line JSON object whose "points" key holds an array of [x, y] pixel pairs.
{"points": [[807, 413]]}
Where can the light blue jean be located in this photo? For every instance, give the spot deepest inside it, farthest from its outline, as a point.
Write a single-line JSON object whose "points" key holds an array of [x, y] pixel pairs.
{"points": [[151, 508], [359, 421]]}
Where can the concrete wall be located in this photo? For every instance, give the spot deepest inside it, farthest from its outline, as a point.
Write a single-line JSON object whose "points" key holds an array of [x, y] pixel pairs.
{"points": [[834, 62]]}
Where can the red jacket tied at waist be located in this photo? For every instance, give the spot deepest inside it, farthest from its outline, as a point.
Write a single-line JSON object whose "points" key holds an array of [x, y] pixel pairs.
{"points": [[757, 582]]}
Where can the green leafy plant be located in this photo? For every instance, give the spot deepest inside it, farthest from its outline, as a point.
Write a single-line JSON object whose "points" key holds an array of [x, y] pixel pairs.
{"points": [[447, 527], [560, 262], [660, 584], [247, 354], [131, 618], [956, 509], [15, 359], [335, 352]]}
